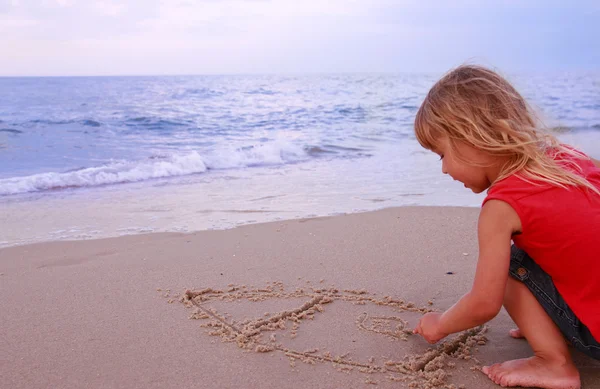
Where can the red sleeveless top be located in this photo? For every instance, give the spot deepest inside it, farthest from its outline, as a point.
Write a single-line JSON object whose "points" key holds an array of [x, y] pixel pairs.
{"points": [[561, 233]]}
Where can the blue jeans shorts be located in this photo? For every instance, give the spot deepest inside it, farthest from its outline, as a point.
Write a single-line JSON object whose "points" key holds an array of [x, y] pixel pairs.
{"points": [[524, 269]]}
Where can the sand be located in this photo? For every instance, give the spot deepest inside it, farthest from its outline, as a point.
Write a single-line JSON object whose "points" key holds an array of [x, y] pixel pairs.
{"points": [[320, 303]]}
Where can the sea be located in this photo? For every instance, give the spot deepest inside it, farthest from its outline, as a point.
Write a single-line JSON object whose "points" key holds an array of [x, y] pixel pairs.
{"points": [[95, 157]]}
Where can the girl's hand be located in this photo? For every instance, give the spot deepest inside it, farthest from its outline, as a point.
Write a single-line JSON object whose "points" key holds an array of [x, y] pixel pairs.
{"points": [[429, 327]]}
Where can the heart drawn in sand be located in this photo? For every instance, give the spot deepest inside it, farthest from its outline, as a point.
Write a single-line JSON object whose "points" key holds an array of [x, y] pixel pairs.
{"points": [[426, 370]]}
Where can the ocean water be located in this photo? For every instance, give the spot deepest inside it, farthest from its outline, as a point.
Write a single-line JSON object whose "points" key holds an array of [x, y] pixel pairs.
{"points": [[89, 157]]}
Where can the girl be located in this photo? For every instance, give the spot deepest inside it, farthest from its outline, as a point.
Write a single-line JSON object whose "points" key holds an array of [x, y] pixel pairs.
{"points": [[542, 195]]}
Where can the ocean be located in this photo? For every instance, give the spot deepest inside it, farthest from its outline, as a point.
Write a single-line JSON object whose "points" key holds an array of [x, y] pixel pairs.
{"points": [[92, 157]]}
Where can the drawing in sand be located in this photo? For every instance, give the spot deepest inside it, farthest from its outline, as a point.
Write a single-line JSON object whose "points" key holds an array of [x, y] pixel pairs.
{"points": [[262, 333]]}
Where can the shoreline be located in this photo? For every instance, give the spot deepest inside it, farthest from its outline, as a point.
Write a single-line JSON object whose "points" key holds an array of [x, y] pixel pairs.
{"points": [[150, 231], [229, 198]]}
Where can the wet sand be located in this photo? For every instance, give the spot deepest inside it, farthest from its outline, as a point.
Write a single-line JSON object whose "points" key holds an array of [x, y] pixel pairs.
{"points": [[320, 303]]}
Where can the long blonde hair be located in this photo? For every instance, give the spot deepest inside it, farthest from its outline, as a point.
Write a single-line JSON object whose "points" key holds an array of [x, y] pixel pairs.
{"points": [[477, 106]]}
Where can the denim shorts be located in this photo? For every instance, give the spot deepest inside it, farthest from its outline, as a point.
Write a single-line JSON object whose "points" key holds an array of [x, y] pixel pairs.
{"points": [[524, 269]]}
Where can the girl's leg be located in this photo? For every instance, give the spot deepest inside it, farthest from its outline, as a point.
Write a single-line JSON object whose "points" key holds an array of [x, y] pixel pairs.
{"points": [[551, 366]]}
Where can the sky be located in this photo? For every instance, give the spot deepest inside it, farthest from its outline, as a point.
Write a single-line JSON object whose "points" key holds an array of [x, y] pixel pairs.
{"points": [[155, 37]]}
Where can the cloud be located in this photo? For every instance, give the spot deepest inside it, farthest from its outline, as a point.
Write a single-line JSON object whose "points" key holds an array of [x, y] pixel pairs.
{"points": [[109, 8], [61, 3], [222, 36], [6, 5], [10, 24]]}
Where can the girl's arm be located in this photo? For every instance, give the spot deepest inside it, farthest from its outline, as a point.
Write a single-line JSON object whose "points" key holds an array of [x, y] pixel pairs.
{"points": [[497, 223]]}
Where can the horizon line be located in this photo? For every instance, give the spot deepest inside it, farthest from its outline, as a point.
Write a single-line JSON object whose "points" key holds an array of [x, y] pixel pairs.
{"points": [[306, 73]]}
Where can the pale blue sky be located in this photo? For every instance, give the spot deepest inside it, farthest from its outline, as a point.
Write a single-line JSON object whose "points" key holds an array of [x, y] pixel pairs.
{"points": [[110, 37]]}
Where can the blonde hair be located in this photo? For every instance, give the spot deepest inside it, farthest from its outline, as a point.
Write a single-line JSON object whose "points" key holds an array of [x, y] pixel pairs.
{"points": [[477, 106]]}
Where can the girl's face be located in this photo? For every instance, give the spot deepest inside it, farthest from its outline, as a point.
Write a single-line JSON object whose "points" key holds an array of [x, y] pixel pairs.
{"points": [[477, 175]]}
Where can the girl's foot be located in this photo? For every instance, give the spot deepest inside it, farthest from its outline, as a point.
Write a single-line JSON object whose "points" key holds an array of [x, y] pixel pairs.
{"points": [[534, 372]]}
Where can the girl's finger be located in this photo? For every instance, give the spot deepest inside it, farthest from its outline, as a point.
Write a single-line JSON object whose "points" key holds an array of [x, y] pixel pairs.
{"points": [[417, 329]]}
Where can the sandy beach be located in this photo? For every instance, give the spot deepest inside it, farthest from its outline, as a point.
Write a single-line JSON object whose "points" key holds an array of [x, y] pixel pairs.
{"points": [[311, 303]]}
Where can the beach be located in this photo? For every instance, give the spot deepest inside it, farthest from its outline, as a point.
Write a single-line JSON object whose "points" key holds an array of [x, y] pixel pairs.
{"points": [[314, 303], [238, 194]]}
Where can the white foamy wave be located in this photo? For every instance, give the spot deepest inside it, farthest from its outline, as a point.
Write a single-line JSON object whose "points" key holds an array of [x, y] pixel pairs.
{"points": [[275, 153], [114, 173]]}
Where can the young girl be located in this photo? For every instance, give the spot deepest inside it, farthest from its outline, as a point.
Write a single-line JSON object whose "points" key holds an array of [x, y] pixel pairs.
{"points": [[542, 195]]}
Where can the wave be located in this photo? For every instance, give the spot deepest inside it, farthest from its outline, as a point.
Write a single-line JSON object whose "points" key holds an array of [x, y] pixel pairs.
{"points": [[204, 93], [153, 123], [157, 166], [91, 123], [329, 149], [395, 105], [357, 110], [565, 129], [51, 122], [11, 130], [84, 122], [150, 122], [261, 91], [114, 173]]}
